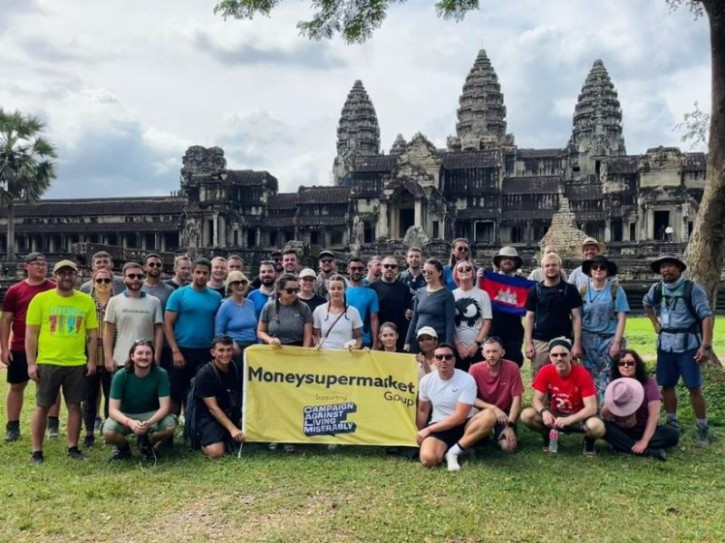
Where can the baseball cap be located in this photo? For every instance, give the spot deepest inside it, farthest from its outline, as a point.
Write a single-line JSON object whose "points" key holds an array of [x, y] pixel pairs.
{"points": [[65, 264]]}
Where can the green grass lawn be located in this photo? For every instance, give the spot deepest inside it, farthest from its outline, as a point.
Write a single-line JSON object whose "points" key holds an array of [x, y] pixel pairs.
{"points": [[361, 494]]}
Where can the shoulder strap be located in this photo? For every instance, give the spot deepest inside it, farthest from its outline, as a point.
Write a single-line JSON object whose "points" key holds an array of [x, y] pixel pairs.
{"points": [[657, 294], [334, 323], [687, 295], [583, 290]]}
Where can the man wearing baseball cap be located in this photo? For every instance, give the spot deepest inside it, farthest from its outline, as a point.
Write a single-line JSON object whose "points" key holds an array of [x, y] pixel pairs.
{"points": [[15, 306], [59, 323], [681, 316], [327, 270]]}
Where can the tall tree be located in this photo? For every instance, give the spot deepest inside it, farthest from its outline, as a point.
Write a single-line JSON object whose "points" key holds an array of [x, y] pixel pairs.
{"points": [[356, 20], [25, 166]]}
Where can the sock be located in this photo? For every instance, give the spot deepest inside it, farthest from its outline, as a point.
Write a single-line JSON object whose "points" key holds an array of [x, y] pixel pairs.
{"points": [[701, 423], [456, 449], [671, 417], [13, 424], [53, 419]]}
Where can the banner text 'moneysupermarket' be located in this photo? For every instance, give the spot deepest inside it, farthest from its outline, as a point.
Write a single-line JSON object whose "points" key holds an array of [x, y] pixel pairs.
{"points": [[329, 380]]}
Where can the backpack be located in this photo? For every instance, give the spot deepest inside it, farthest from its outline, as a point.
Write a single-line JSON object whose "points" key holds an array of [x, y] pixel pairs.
{"points": [[689, 305], [613, 291]]}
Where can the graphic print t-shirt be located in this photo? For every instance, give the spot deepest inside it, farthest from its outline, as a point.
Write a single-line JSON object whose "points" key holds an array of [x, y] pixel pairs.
{"points": [[63, 323], [472, 307]]}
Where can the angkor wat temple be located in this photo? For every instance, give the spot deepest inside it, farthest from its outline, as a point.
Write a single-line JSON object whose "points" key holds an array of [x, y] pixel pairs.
{"points": [[481, 186]]}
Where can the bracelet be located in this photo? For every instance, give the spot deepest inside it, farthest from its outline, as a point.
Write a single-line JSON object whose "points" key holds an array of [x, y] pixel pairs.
{"points": [[126, 424], [541, 411]]}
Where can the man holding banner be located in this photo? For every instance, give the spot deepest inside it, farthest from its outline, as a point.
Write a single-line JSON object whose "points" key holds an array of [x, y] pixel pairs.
{"points": [[446, 400]]}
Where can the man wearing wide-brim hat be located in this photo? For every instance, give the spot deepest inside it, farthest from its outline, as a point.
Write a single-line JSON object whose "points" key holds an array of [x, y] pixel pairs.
{"points": [[507, 326], [590, 248], [681, 316]]}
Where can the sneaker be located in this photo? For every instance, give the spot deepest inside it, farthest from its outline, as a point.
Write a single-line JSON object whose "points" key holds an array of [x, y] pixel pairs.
{"points": [[53, 428], [331, 447], [76, 454], [13, 432], [37, 458], [89, 441], [545, 442], [589, 449], [674, 423], [657, 454], [145, 448], [120, 454], [702, 439], [289, 448], [272, 446], [452, 461], [98, 425]]}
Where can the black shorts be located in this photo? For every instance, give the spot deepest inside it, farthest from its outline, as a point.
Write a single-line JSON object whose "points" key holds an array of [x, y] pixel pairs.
{"points": [[18, 368], [210, 432], [179, 378], [451, 436], [166, 358], [52, 379], [495, 434]]}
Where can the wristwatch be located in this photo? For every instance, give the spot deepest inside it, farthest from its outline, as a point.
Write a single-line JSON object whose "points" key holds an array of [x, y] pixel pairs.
{"points": [[510, 424], [706, 346]]}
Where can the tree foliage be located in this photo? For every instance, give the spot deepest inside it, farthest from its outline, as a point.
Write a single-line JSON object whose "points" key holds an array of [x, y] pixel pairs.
{"points": [[26, 169]]}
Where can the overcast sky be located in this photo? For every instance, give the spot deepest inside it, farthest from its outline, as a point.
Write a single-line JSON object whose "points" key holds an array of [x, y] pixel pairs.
{"points": [[126, 86]]}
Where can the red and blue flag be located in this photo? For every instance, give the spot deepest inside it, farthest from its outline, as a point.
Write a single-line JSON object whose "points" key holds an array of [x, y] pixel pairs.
{"points": [[508, 294]]}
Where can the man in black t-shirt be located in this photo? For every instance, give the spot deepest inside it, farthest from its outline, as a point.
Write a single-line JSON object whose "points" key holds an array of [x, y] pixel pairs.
{"points": [[218, 394], [394, 299], [553, 309]]}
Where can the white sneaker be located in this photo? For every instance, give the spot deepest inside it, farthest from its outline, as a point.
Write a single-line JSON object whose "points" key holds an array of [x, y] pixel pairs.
{"points": [[452, 461], [272, 446]]}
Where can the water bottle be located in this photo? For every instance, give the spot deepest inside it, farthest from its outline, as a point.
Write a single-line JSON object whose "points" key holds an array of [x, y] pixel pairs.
{"points": [[553, 441]]}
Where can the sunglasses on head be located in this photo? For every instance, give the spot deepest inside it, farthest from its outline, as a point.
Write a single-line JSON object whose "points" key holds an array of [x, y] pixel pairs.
{"points": [[102, 280], [443, 357]]}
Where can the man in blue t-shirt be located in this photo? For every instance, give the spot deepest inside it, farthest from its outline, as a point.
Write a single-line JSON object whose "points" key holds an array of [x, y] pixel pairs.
{"points": [[260, 296], [189, 329], [365, 300]]}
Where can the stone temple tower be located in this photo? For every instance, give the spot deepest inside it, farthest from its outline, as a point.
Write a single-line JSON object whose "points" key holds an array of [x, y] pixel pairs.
{"points": [[358, 132], [482, 113], [597, 131]]}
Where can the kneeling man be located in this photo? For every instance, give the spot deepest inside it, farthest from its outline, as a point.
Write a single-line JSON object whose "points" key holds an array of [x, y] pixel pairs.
{"points": [[218, 397], [445, 420], [499, 391], [565, 398]]}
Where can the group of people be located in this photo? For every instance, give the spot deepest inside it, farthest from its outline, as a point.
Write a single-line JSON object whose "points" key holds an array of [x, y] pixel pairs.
{"points": [[151, 347]]}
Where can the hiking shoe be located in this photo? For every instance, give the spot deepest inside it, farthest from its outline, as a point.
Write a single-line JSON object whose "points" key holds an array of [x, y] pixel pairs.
{"points": [[37, 458], [13, 432], [289, 448], [76, 454], [332, 447], [657, 454], [589, 449], [98, 425], [89, 441], [145, 447], [452, 462], [272, 446], [702, 438], [122, 453], [53, 428], [675, 424]]}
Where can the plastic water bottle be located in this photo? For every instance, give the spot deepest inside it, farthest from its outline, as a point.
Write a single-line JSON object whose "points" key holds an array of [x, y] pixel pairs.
{"points": [[553, 441]]}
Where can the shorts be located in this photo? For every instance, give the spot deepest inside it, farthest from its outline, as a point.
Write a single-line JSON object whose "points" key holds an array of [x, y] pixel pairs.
{"points": [[670, 366], [210, 432], [166, 360], [451, 436], [169, 421], [179, 378], [53, 378], [18, 368]]}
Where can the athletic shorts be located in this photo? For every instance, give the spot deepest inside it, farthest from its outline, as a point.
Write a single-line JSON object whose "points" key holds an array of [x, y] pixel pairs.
{"points": [[210, 432], [169, 421], [53, 378], [451, 436], [179, 378], [670, 366], [18, 368]]}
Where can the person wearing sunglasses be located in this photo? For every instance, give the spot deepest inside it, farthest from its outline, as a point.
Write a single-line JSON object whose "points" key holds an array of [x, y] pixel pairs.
{"points": [[285, 320], [473, 315], [565, 398], [631, 410], [604, 316], [365, 300], [460, 250], [326, 265], [590, 248], [237, 316], [102, 260], [307, 293], [394, 299], [446, 422], [433, 306]]}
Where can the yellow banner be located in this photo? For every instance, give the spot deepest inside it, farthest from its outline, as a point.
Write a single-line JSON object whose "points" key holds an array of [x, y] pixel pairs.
{"points": [[297, 395]]}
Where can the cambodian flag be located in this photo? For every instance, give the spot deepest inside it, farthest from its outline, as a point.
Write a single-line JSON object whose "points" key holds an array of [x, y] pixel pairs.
{"points": [[508, 294]]}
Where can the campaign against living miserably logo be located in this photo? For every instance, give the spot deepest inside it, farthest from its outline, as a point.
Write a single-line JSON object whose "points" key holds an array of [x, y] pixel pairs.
{"points": [[328, 419]]}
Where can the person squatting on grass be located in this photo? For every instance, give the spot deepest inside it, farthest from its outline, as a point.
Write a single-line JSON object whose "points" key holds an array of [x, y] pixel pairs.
{"points": [[447, 423], [140, 405], [565, 398]]}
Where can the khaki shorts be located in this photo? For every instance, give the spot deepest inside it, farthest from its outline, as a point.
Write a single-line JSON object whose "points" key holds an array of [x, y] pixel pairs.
{"points": [[541, 356], [52, 378], [169, 421]]}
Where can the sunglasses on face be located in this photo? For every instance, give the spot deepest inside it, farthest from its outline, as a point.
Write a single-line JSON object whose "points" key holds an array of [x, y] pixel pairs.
{"points": [[326, 260], [241, 283], [559, 355], [465, 269], [134, 275], [390, 266], [154, 264], [291, 290], [599, 267], [462, 249], [103, 281], [626, 363], [356, 268], [446, 357]]}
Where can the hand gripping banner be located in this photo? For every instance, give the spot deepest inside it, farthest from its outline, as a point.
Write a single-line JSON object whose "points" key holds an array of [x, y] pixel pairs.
{"points": [[297, 395]]}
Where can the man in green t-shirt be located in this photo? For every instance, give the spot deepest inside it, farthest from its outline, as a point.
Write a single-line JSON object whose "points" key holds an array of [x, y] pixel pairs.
{"points": [[59, 322], [139, 404]]}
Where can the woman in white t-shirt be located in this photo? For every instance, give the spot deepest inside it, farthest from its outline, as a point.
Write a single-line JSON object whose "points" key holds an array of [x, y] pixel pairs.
{"points": [[473, 316], [337, 325]]}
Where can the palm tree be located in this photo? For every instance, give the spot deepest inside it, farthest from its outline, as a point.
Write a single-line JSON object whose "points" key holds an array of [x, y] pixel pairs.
{"points": [[25, 167]]}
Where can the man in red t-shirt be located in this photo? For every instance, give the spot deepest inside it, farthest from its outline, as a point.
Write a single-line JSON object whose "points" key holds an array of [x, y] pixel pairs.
{"points": [[15, 305], [565, 398], [499, 390]]}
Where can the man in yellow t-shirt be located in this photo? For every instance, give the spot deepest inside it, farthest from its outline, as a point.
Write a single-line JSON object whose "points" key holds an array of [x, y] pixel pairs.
{"points": [[58, 324]]}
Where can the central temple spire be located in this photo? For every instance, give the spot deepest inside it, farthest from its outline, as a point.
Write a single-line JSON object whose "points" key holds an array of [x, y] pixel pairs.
{"points": [[358, 129], [482, 113]]}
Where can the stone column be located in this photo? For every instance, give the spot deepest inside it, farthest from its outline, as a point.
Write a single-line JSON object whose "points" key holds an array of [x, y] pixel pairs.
{"points": [[650, 234], [608, 230], [382, 226], [215, 230], [418, 213]]}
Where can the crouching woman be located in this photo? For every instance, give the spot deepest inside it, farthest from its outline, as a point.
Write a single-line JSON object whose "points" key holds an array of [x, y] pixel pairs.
{"points": [[139, 404]]}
